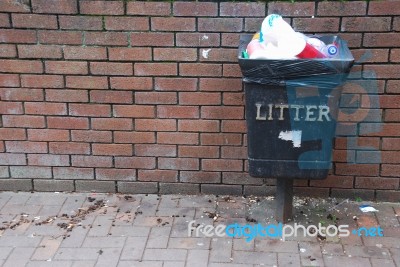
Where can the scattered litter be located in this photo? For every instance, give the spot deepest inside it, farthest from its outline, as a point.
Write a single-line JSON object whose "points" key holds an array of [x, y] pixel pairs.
{"points": [[367, 208], [337, 205], [302, 250], [379, 245]]}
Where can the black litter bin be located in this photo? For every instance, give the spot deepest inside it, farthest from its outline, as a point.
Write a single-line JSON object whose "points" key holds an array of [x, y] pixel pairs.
{"points": [[291, 111]]}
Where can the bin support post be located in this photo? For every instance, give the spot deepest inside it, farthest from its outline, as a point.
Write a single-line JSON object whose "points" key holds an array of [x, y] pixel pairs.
{"points": [[284, 200]]}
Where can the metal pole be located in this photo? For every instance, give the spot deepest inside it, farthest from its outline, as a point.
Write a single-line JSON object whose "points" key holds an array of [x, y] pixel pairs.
{"points": [[284, 200]]}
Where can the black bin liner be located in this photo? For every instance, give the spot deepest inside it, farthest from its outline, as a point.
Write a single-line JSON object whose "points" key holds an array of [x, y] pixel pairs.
{"points": [[291, 112]]}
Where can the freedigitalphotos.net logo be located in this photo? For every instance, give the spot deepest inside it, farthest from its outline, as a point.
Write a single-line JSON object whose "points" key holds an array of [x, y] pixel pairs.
{"points": [[281, 231]]}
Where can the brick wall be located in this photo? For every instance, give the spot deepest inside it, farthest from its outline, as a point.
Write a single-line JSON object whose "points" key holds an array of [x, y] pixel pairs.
{"points": [[146, 97]]}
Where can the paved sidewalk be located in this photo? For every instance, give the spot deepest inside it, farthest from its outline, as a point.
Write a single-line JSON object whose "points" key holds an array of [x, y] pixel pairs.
{"points": [[71, 229]]}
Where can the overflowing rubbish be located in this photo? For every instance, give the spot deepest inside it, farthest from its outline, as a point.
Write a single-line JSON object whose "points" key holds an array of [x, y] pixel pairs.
{"points": [[278, 40]]}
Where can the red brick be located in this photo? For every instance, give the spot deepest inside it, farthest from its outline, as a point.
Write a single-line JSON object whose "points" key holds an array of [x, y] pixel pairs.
{"points": [[11, 108], [12, 159], [155, 150], [4, 21], [80, 23], [34, 21], [116, 174], [234, 126], [69, 148], [231, 70], [148, 8], [233, 152], [14, 6], [391, 170], [316, 24], [130, 53], [102, 7], [111, 124], [382, 71], [23, 121], [132, 83], [60, 37], [134, 111], [242, 9], [155, 98], [215, 84], [152, 39], [88, 53], [107, 68], [9, 80], [357, 169], [353, 39], [21, 66], [134, 137], [89, 82], [155, 125], [221, 165], [175, 84], [198, 151], [198, 126], [224, 113], [218, 55], [177, 138], [198, 39], [91, 136], [370, 55], [66, 95], [17, 36], [389, 101], [20, 94], [234, 99], [42, 81], [179, 112], [8, 50], [48, 160], [158, 175], [395, 55], [73, 173], [91, 161], [357, 143], [370, 24], [106, 38], [384, 8], [67, 123], [175, 54], [220, 24], [90, 110], [66, 67], [200, 69], [373, 129], [2, 149], [155, 69], [390, 156], [45, 108], [55, 6], [396, 24], [199, 98], [381, 40], [390, 143], [48, 135], [135, 162], [178, 163], [116, 97], [342, 8], [200, 177], [195, 9], [26, 147], [253, 24], [112, 149], [39, 51], [228, 139], [393, 87], [299, 9], [12, 134], [230, 39], [127, 23], [175, 24], [334, 181]]}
